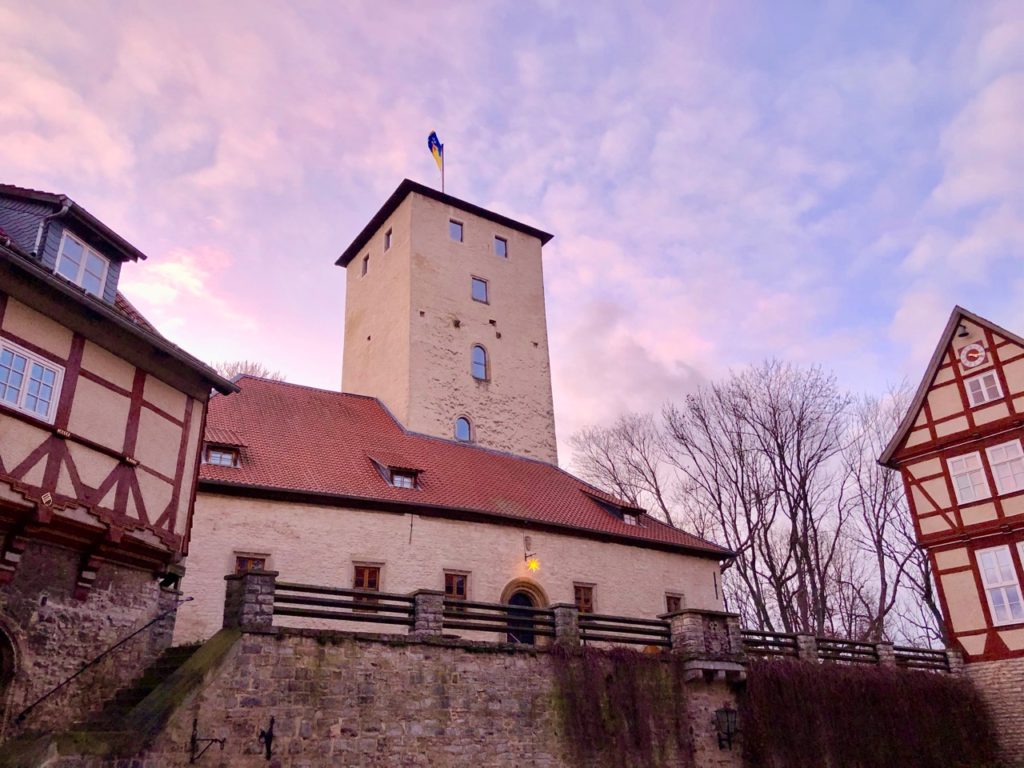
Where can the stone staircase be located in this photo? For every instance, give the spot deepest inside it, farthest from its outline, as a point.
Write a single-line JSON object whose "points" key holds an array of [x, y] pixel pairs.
{"points": [[111, 717]]}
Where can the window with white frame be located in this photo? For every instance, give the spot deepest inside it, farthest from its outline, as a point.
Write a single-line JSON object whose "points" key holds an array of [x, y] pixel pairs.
{"points": [[1001, 586], [968, 478], [1007, 462], [221, 455], [984, 388], [29, 382], [82, 265]]}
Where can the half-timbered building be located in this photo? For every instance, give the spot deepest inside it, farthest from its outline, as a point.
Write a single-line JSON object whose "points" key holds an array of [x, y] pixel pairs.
{"points": [[101, 420], [960, 452]]}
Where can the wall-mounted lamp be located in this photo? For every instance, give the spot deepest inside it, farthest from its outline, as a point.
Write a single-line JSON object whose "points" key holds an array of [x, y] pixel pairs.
{"points": [[962, 332], [532, 563], [726, 725]]}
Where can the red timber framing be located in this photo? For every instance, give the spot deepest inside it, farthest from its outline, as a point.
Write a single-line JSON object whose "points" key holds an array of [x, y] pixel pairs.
{"points": [[922, 449], [115, 506]]}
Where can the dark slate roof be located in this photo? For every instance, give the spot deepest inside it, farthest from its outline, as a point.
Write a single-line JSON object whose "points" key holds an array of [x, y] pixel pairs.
{"points": [[321, 446], [407, 187], [78, 213]]}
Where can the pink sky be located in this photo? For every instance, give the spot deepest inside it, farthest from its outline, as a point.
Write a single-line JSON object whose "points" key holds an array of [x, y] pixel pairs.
{"points": [[725, 182]]}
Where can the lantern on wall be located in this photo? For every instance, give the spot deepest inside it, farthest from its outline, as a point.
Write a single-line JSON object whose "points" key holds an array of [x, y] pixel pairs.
{"points": [[726, 725]]}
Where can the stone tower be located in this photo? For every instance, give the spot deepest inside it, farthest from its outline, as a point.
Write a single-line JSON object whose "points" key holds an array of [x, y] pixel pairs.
{"points": [[445, 322]]}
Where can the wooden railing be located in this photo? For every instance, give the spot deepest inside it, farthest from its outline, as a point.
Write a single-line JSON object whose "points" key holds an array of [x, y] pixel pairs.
{"points": [[255, 599], [312, 602], [921, 658], [758, 643], [520, 624], [850, 651], [595, 627]]}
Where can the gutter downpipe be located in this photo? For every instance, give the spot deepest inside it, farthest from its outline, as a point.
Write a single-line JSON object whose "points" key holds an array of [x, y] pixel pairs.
{"points": [[44, 224]]}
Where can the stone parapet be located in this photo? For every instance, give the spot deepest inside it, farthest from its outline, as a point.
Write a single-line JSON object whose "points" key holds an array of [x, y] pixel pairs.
{"points": [[886, 654]]}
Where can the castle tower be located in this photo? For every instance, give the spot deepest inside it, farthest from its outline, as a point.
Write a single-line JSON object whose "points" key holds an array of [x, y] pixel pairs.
{"points": [[445, 322]]}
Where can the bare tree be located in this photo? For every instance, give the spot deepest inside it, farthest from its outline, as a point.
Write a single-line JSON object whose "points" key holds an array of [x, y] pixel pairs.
{"points": [[628, 459], [231, 368], [779, 465]]}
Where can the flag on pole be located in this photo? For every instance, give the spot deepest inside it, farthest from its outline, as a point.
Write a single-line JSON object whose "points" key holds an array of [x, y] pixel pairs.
{"points": [[436, 149]]}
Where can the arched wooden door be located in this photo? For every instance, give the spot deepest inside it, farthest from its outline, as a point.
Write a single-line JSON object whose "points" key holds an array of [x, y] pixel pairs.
{"points": [[521, 621]]}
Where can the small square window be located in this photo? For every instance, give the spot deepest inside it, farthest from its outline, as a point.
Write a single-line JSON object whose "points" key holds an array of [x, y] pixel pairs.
{"points": [[984, 388], [403, 479], [366, 578], [222, 456], [584, 596], [479, 290], [630, 518], [501, 247], [246, 563], [673, 603], [387, 240], [455, 230], [456, 585]]}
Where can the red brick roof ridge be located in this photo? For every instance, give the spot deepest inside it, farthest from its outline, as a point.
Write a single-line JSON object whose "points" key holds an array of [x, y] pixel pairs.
{"points": [[270, 478]]}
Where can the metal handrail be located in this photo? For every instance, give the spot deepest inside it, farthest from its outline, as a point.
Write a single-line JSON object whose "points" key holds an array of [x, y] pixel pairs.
{"points": [[25, 712]]}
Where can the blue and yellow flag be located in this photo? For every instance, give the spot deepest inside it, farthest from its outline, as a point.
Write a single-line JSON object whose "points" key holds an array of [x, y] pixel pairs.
{"points": [[436, 149]]}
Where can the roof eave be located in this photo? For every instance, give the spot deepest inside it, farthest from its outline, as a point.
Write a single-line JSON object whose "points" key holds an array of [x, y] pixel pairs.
{"points": [[404, 190], [391, 505], [86, 301]]}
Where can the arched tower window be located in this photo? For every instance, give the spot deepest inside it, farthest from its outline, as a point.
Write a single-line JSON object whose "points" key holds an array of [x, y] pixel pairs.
{"points": [[479, 368], [463, 429]]}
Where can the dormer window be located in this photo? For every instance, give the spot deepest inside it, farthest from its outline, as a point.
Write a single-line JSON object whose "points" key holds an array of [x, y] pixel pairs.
{"points": [[221, 456], [630, 519], [403, 478], [82, 265]]}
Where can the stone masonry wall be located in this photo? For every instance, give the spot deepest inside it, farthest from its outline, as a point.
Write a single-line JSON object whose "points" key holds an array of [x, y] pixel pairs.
{"points": [[1001, 685], [54, 634], [370, 700]]}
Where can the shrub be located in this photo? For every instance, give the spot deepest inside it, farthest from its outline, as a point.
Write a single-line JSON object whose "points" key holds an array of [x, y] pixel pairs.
{"points": [[834, 716]]}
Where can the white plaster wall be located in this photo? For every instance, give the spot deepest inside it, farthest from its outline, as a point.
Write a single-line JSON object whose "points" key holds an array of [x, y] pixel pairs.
{"points": [[318, 545]]}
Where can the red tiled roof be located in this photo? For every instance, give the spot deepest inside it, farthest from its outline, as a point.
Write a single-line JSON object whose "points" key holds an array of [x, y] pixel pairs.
{"points": [[320, 443], [128, 310]]}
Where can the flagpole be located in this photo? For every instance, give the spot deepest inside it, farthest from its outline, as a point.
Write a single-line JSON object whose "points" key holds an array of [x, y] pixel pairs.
{"points": [[442, 169]]}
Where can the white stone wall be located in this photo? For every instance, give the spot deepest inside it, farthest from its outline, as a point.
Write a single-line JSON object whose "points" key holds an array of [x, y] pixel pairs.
{"points": [[318, 545], [411, 322]]}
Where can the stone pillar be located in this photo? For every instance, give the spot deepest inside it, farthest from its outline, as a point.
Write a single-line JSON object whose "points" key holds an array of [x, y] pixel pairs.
{"points": [[161, 633], [807, 648], [886, 654], [428, 613], [249, 602], [955, 661], [711, 646], [567, 624]]}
